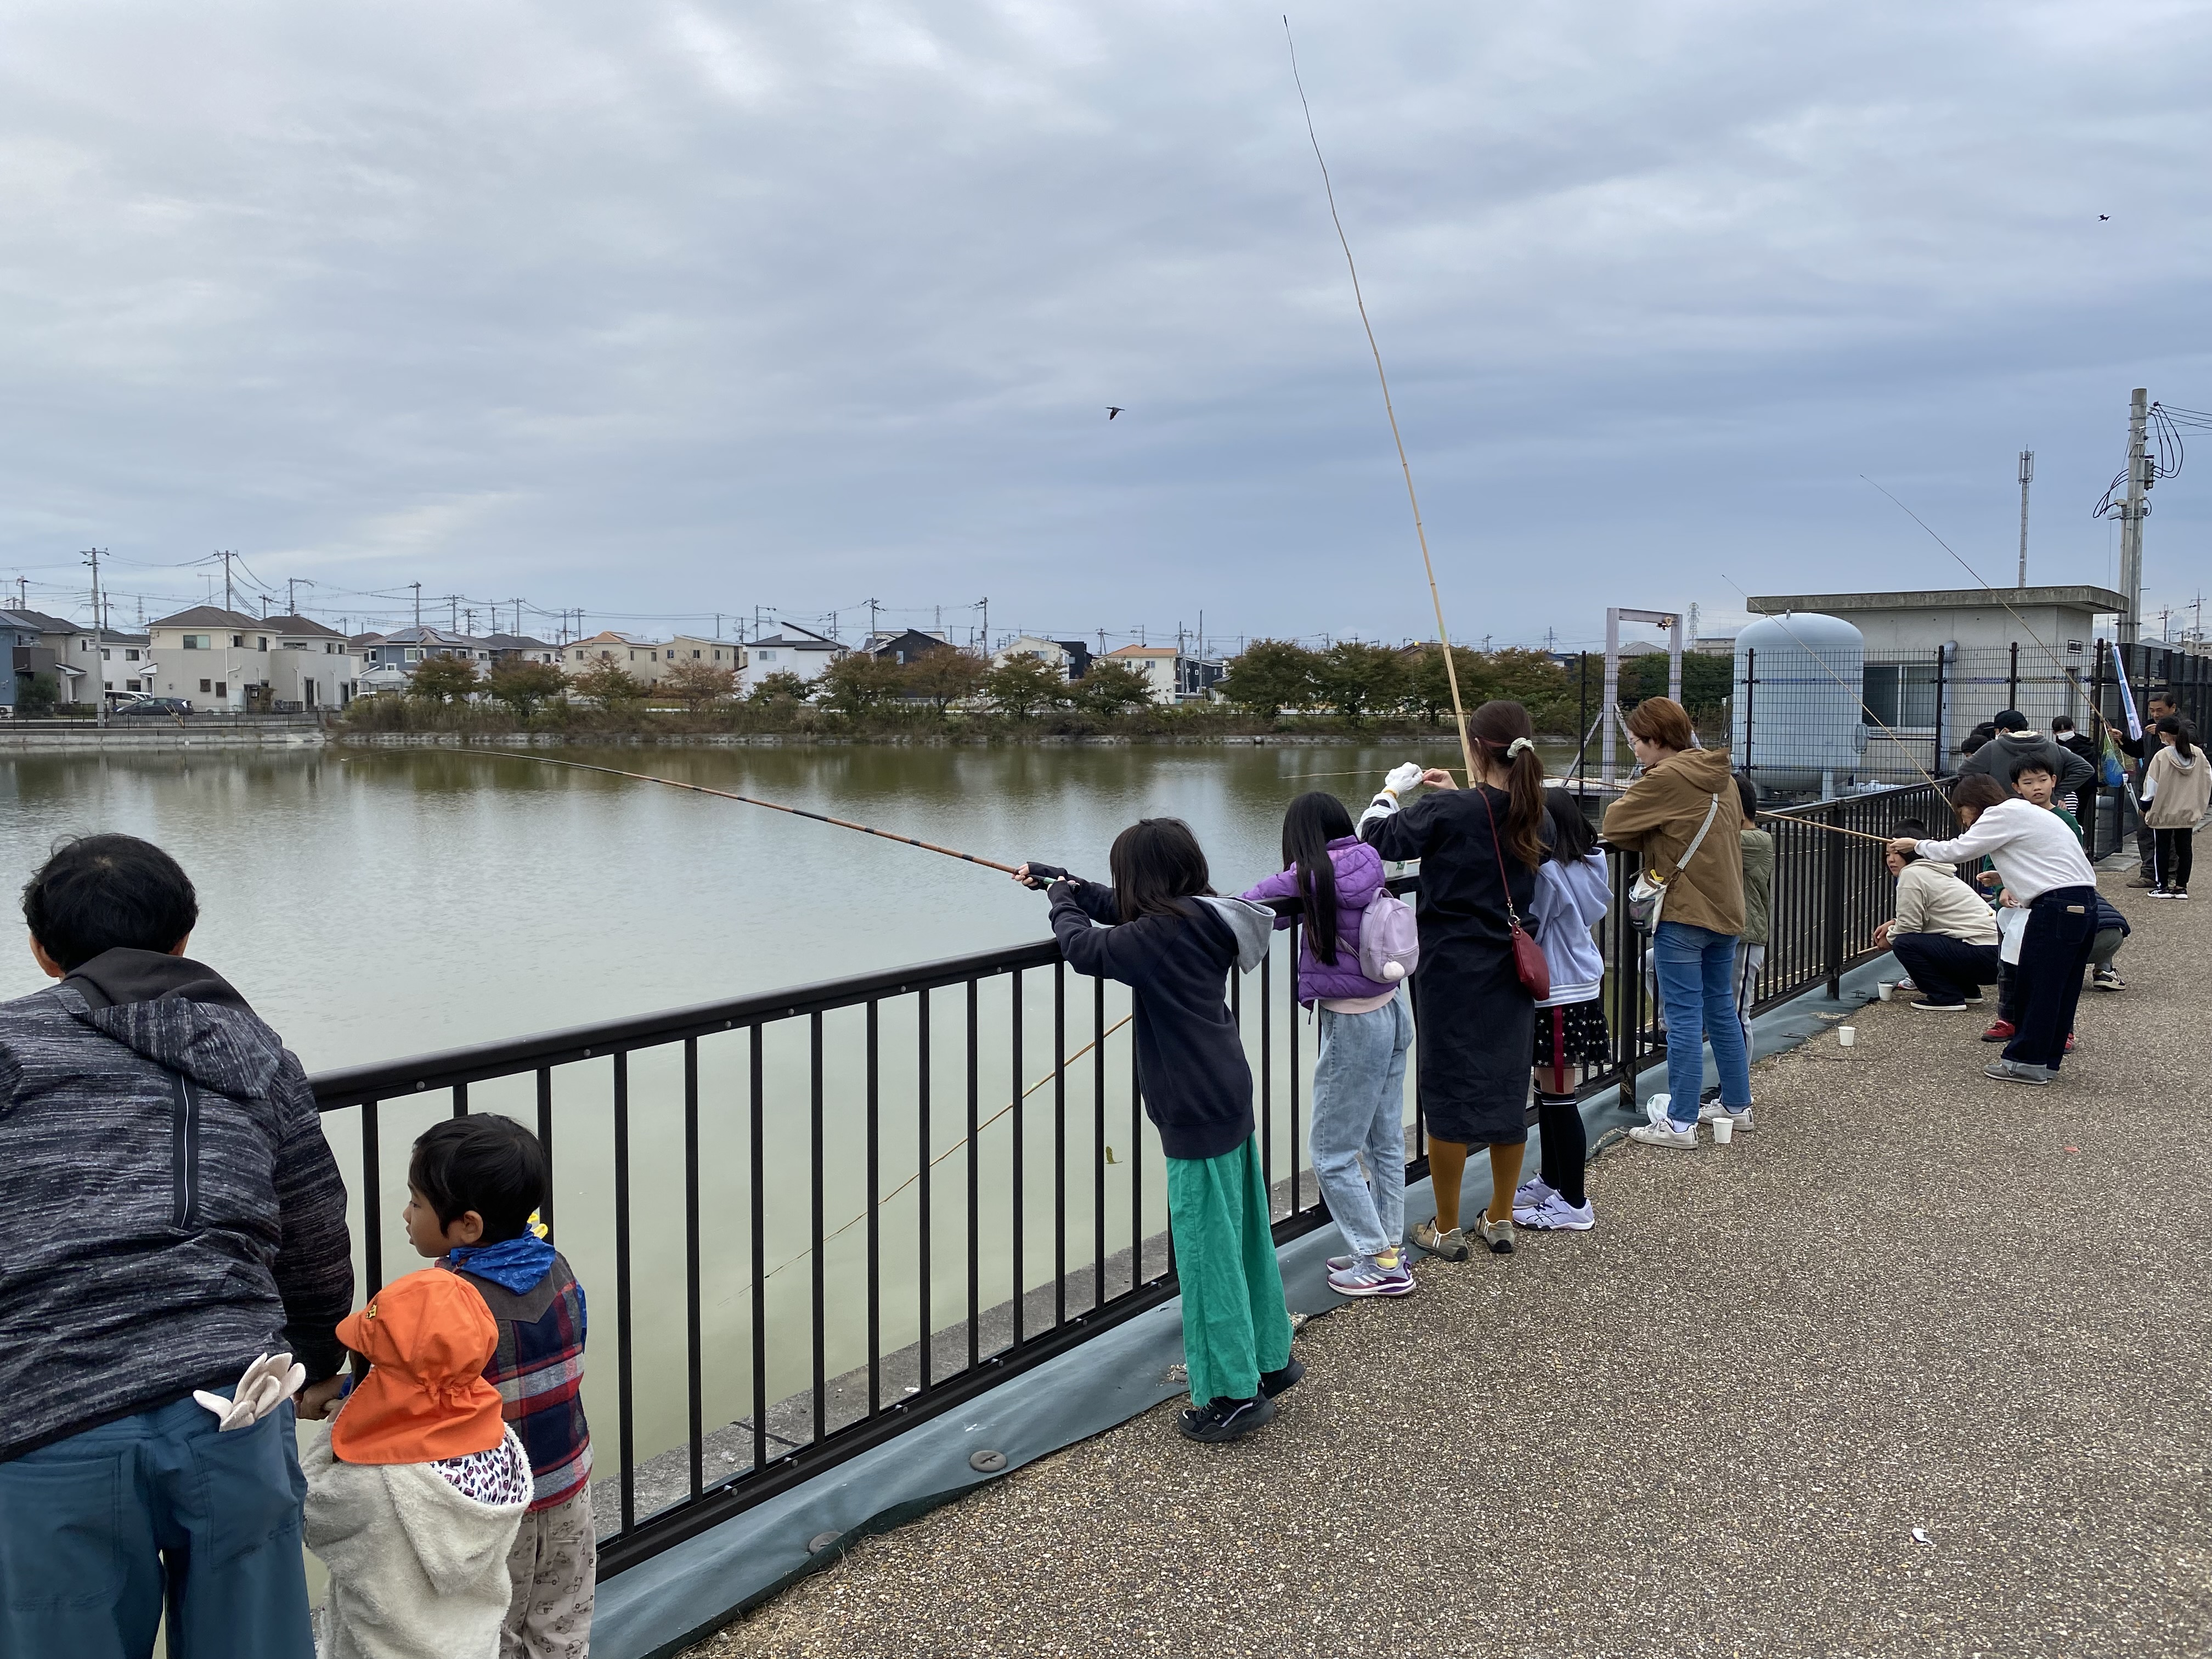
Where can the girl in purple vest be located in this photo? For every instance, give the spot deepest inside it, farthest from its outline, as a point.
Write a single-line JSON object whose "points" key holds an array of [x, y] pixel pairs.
{"points": [[1359, 1078]]}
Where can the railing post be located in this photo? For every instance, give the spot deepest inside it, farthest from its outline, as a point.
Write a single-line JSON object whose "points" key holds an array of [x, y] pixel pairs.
{"points": [[1833, 921], [2012, 679], [1750, 699], [1936, 768]]}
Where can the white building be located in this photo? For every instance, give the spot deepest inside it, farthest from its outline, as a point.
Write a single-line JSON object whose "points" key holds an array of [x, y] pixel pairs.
{"points": [[793, 651], [1174, 676], [223, 659]]}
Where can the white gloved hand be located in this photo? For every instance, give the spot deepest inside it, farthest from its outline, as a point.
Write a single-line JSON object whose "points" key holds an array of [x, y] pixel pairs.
{"points": [[1402, 778], [268, 1381]]}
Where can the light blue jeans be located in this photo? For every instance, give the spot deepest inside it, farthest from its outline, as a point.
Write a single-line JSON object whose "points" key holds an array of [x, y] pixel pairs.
{"points": [[1359, 1112], [1697, 986]]}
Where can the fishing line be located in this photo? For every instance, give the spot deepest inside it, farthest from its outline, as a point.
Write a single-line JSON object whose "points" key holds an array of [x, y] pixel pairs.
{"points": [[1443, 637], [754, 800]]}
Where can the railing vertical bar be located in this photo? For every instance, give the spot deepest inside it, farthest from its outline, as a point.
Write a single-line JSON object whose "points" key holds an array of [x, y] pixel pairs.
{"points": [[925, 1328], [1021, 1096], [693, 1357], [1059, 1144], [372, 1201], [1291, 1011], [1136, 1170], [821, 1351], [875, 1218], [460, 1100], [1268, 1076], [546, 1141], [975, 1190], [757, 1203], [1098, 1144], [625, 1354]]}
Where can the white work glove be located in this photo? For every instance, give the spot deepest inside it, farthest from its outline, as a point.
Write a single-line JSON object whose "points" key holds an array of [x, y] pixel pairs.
{"points": [[1402, 778], [268, 1381]]}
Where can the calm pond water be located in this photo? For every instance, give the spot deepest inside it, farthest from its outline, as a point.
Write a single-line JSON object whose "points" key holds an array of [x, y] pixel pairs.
{"points": [[377, 903]]}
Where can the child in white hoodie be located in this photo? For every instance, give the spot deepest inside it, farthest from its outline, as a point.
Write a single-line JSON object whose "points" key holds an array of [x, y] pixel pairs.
{"points": [[2177, 786], [1573, 892], [416, 1490]]}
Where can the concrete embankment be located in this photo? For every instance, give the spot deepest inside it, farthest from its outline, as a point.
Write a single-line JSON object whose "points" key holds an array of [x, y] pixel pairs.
{"points": [[146, 735], [1921, 1366]]}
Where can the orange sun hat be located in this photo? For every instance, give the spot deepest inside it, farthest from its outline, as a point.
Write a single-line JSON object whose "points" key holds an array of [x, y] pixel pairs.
{"points": [[428, 1338]]}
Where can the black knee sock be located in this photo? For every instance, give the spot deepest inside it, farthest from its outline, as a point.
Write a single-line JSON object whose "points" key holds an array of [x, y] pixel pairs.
{"points": [[1567, 1146]]}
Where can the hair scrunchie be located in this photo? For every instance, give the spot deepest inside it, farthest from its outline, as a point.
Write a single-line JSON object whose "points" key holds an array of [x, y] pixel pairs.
{"points": [[1518, 745]]}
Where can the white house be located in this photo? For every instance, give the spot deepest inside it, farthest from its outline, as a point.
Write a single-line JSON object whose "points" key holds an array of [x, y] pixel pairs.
{"points": [[1174, 676], [793, 651], [224, 660]]}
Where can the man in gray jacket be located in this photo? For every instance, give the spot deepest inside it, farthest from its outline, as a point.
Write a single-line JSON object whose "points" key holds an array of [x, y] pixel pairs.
{"points": [[2014, 742], [169, 1211]]}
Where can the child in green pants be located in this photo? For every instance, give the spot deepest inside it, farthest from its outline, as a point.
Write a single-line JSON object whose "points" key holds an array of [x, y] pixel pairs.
{"points": [[1169, 940]]}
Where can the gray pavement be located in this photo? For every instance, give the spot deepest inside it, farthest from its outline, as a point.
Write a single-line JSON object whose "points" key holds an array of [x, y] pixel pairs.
{"points": [[1914, 1298]]}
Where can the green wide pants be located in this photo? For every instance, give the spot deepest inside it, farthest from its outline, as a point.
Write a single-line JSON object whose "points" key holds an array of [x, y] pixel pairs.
{"points": [[1234, 1323]]}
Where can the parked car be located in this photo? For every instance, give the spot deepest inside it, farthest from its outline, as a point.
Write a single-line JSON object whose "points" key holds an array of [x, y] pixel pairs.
{"points": [[143, 704]]}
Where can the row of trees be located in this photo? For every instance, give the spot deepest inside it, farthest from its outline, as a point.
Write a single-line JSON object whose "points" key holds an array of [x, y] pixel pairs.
{"points": [[1359, 682]]}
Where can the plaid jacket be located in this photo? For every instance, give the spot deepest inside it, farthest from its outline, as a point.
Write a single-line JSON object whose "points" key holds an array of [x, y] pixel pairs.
{"points": [[539, 1373]]}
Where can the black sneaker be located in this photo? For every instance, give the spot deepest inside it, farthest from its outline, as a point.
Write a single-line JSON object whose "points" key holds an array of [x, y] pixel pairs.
{"points": [[1274, 1382], [1226, 1420]]}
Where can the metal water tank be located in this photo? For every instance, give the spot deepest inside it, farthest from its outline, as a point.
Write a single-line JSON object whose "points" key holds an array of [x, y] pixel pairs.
{"points": [[1798, 724]]}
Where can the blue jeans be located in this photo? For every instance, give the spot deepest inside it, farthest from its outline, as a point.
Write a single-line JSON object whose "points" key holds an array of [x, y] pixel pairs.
{"points": [[1359, 1111], [94, 1528], [1696, 968]]}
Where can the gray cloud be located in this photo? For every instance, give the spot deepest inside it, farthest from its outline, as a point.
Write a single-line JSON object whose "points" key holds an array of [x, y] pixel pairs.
{"points": [[684, 307]]}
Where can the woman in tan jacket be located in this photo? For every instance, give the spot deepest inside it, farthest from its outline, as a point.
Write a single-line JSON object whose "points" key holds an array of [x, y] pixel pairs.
{"points": [[1682, 817]]}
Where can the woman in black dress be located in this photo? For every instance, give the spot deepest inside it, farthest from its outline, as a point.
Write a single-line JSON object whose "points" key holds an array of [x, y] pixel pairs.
{"points": [[1474, 1022]]}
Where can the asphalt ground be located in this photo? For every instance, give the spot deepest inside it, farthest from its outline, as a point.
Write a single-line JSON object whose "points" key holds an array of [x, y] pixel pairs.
{"points": [[1912, 1299]]}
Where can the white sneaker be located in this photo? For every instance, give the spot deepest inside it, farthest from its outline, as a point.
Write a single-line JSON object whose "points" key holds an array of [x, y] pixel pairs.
{"points": [[1655, 1109], [1714, 1112], [1532, 1194], [1555, 1214], [1664, 1133], [1905, 985]]}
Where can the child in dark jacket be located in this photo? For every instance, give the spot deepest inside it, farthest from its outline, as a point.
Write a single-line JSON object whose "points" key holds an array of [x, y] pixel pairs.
{"points": [[474, 1187], [1172, 942], [1359, 1076]]}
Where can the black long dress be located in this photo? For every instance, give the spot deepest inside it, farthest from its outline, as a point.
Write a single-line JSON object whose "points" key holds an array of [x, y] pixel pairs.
{"points": [[1474, 1020]]}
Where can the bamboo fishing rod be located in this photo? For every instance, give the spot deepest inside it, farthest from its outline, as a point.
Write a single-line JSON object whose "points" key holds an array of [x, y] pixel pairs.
{"points": [[1831, 829], [754, 800], [1444, 636]]}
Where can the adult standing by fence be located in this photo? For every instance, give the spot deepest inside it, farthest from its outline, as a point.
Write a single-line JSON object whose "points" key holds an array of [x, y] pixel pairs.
{"points": [[1479, 849], [2045, 873], [1681, 817]]}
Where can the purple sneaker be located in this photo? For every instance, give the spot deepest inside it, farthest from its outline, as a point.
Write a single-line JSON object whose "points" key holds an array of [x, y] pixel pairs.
{"points": [[1368, 1277]]}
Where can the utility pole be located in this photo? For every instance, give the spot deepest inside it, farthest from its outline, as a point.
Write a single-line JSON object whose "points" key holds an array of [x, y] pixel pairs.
{"points": [[98, 645], [292, 595], [1102, 641], [229, 603], [22, 591], [453, 613], [872, 619], [2131, 518], [2026, 477], [986, 603], [417, 586]]}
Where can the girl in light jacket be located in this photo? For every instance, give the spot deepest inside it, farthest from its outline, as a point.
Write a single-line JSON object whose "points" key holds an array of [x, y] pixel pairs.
{"points": [[2178, 785], [1574, 889], [1359, 1077]]}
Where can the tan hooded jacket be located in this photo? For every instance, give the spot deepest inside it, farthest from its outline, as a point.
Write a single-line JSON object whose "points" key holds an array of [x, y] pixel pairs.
{"points": [[1659, 816]]}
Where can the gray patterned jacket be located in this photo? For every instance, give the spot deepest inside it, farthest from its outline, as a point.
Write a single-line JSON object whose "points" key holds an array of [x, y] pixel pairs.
{"points": [[168, 1207]]}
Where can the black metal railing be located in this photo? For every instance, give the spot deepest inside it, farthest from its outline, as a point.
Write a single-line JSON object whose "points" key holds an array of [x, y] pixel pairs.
{"points": [[701, 1155]]}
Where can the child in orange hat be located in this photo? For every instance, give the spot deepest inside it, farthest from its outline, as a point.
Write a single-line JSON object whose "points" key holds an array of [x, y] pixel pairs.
{"points": [[415, 1489]]}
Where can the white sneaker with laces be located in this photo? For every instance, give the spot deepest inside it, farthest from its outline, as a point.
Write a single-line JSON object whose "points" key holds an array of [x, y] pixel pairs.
{"points": [[1716, 1111], [1531, 1194], [1555, 1214]]}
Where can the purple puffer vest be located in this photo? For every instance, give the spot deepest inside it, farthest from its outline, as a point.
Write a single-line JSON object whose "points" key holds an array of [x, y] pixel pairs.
{"points": [[1359, 877]]}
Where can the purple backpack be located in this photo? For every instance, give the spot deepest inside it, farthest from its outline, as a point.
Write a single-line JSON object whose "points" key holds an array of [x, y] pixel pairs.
{"points": [[1390, 943]]}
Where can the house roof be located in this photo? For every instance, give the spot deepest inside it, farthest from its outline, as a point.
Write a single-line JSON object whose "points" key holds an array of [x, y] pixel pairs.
{"points": [[50, 624], [299, 627], [516, 642], [1144, 651], [206, 616], [608, 637], [804, 641]]}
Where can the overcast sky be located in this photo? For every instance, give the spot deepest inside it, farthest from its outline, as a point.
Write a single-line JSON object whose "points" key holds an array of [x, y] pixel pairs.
{"points": [[671, 307]]}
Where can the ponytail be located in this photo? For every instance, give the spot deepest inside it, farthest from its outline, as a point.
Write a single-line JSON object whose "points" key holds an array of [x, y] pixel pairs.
{"points": [[1502, 731], [2179, 728]]}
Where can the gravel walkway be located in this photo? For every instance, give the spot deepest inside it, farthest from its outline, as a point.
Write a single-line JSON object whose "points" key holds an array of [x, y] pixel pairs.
{"points": [[1915, 1299]]}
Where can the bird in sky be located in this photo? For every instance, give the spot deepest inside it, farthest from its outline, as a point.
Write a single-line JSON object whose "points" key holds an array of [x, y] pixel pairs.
{"points": [[1112, 410], [2101, 216]]}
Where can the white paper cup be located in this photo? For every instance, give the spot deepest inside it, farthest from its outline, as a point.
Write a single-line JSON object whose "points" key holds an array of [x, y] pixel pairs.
{"points": [[1887, 988], [1847, 1035], [1724, 1131]]}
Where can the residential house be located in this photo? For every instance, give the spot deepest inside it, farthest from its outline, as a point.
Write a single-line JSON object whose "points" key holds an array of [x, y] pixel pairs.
{"points": [[217, 659], [19, 634], [689, 647], [642, 657], [907, 645], [1070, 657], [794, 650], [1174, 676], [404, 648], [501, 646]]}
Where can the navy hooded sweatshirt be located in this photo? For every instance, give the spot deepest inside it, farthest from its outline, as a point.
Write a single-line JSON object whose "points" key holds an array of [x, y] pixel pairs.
{"points": [[1190, 1056]]}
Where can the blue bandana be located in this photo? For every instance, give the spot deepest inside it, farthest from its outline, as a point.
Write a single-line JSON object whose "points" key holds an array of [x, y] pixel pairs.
{"points": [[514, 1264]]}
